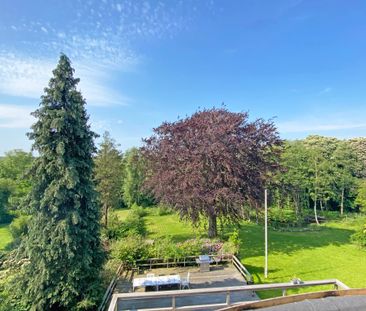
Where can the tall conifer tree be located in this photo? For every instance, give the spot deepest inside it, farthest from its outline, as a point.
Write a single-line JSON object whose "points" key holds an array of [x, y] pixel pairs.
{"points": [[63, 245]]}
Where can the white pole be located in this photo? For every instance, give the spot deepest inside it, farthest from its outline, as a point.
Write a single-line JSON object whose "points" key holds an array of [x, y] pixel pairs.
{"points": [[265, 235]]}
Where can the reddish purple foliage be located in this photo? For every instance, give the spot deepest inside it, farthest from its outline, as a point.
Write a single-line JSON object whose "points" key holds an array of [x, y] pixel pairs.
{"points": [[211, 163]]}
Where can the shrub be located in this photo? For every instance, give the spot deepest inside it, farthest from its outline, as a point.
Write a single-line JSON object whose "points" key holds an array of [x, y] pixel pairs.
{"points": [[19, 227], [165, 248], [282, 217], [138, 210], [134, 225], [359, 237], [163, 210], [234, 240], [115, 228], [130, 249]]}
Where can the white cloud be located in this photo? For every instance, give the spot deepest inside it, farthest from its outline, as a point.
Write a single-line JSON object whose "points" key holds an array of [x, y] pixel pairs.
{"points": [[15, 116], [27, 77]]}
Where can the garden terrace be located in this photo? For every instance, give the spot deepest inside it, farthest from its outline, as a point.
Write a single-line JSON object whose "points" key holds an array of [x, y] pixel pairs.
{"points": [[219, 276], [234, 297]]}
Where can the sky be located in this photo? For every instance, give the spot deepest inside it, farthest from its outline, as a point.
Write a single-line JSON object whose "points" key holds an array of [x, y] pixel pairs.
{"points": [[300, 63]]}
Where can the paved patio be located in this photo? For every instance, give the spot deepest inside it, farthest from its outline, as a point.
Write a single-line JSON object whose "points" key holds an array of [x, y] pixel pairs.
{"points": [[218, 276]]}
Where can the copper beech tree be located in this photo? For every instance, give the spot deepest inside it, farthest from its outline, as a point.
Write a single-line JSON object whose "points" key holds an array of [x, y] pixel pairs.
{"points": [[211, 164]]}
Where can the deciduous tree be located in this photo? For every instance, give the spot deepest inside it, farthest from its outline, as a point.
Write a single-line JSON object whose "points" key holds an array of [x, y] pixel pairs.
{"points": [[133, 180], [210, 164], [108, 175]]}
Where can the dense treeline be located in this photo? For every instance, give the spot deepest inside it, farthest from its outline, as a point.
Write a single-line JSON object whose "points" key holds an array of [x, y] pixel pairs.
{"points": [[317, 173], [320, 173]]}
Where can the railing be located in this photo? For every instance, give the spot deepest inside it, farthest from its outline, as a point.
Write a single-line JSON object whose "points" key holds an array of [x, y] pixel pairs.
{"points": [[171, 262], [213, 291], [110, 288], [243, 271], [294, 298]]}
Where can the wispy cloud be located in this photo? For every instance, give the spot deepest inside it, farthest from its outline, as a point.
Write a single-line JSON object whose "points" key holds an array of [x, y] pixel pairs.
{"points": [[98, 36], [15, 116], [26, 77]]}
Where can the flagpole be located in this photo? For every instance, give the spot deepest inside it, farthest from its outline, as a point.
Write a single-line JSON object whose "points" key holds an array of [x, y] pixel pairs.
{"points": [[265, 235]]}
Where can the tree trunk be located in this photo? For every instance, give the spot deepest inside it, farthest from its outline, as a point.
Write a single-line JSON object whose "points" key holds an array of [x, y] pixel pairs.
{"points": [[105, 207], [212, 226], [315, 213], [321, 205], [342, 201]]}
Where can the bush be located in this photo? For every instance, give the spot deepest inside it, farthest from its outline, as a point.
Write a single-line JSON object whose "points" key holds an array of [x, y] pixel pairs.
{"points": [[359, 237], [19, 227], [130, 249], [164, 248], [193, 247], [115, 228], [134, 224], [163, 210], [234, 242], [138, 210], [282, 217]]}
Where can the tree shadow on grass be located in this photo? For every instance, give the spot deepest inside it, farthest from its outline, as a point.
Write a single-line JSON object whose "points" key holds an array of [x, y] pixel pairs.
{"points": [[252, 237]]}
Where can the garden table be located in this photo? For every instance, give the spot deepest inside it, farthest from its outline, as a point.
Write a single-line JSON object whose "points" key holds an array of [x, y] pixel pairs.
{"points": [[156, 281]]}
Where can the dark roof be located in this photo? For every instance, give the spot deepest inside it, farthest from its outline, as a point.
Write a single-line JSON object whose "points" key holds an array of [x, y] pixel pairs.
{"points": [[345, 303]]}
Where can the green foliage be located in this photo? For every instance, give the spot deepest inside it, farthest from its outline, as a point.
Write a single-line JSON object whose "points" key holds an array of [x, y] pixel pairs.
{"points": [[6, 190], [234, 242], [108, 175], [130, 249], [192, 247], [165, 248], [134, 177], [361, 195], [317, 172], [138, 210], [359, 237], [14, 180], [63, 242], [133, 224], [19, 228], [282, 217], [9, 299], [162, 210]]}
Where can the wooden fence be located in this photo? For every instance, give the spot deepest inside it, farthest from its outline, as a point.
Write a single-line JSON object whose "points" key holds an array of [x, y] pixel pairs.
{"points": [[212, 291], [173, 262]]}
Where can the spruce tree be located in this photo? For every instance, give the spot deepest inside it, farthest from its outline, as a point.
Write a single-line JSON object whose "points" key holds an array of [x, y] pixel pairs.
{"points": [[63, 246]]}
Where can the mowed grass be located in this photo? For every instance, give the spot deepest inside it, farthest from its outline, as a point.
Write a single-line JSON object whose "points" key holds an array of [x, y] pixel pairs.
{"points": [[321, 252], [5, 236], [166, 225]]}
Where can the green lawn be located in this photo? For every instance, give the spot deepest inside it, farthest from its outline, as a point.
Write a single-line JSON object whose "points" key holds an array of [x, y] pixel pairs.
{"points": [[323, 252], [5, 236]]}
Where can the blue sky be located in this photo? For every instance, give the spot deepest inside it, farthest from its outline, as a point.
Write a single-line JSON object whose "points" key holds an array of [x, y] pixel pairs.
{"points": [[145, 62]]}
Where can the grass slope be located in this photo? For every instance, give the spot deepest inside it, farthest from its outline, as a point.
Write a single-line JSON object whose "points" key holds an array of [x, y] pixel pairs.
{"points": [[323, 252], [5, 236]]}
